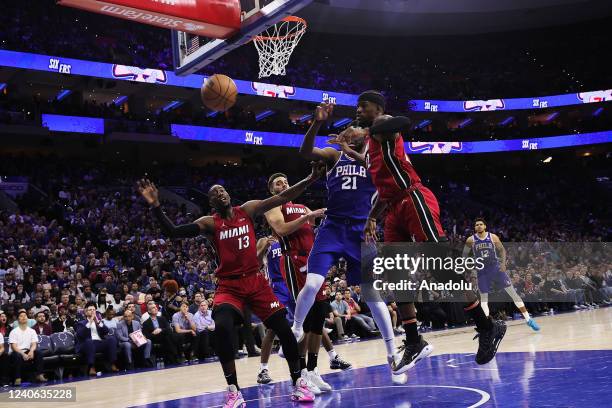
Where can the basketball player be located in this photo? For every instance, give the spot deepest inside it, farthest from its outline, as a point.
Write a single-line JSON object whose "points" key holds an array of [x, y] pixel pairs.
{"points": [[349, 200], [489, 247], [413, 214], [292, 224], [239, 282], [269, 254]]}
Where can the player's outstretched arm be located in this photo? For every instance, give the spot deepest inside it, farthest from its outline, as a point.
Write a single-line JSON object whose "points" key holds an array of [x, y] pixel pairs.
{"points": [[263, 244], [387, 127], [259, 207], [149, 192], [276, 220], [350, 152], [308, 149]]}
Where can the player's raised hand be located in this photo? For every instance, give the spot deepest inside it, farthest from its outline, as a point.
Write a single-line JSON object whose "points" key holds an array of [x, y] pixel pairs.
{"points": [[323, 111], [148, 191], [318, 170]]}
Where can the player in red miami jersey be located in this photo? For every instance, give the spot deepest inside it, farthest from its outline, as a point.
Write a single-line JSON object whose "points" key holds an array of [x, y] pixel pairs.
{"points": [[413, 214], [240, 281], [292, 224]]}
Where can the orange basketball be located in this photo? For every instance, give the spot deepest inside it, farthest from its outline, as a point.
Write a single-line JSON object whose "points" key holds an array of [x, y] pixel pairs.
{"points": [[219, 92]]}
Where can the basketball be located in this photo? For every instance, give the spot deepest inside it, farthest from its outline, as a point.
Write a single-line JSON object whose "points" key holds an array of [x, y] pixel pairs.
{"points": [[219, 92]]}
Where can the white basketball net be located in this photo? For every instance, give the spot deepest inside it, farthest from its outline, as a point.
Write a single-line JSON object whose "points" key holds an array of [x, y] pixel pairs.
{"points": [[276, 44]]}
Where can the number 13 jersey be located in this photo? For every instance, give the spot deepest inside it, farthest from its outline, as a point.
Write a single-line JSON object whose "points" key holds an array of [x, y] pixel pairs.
{"points": [[235, 244]]}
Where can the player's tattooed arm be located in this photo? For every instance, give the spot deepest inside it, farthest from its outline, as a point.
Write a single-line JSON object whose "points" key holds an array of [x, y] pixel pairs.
{"points": [[500, 250], [467, 248], [258, 207], [308, 149], [276, 220], [150, 193]]}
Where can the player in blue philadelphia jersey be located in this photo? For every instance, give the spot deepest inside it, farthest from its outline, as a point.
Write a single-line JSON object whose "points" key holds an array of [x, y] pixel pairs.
{"points": [[350, 194], [489, 247]]}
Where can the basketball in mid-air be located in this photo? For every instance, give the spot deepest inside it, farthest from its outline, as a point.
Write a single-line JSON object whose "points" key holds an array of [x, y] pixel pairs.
{"points": [[219, 92]]}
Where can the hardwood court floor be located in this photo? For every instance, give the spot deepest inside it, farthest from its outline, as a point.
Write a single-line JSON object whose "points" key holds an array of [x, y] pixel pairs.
{"points": [[583, 330]]}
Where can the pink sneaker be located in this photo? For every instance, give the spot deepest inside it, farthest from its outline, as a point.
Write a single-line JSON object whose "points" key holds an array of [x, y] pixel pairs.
{"points": [[234, 398], [301, 392]]}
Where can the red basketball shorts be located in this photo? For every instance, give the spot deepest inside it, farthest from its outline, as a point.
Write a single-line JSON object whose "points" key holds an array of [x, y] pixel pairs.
{"points": [[251, 290], [414, 217]]}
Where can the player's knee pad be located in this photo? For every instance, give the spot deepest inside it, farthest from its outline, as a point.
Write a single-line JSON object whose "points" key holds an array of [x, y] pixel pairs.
{"points": [[279, 324], [315, 320], [225, 318]]}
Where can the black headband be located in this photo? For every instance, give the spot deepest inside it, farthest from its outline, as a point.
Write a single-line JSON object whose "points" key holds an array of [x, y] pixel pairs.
{"points": [[374, 97]]}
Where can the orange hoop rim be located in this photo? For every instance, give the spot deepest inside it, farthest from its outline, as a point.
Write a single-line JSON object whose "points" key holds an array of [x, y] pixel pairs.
{"points": [[289, 19]]}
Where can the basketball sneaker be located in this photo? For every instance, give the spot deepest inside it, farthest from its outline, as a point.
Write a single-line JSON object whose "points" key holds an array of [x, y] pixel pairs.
{"points": [[316, 379], [531, 323], [339, 364], [488, 341], [301, 392], [311, 386], [413, 353], [234, 398], [264, 377], [400, 378]]}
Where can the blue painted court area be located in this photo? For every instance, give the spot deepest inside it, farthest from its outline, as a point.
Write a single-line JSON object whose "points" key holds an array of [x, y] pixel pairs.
{"points": [[580, 379]]}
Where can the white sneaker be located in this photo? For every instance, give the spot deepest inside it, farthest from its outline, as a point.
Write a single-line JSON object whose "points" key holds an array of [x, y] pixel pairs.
{"points": [[311, 386], [328, 330], [401, 329], [316, 379]]}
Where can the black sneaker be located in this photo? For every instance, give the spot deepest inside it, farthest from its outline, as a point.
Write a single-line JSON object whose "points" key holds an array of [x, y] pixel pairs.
{"points": [[413, 353], [264, 377], [488, 341], [339, 364]]}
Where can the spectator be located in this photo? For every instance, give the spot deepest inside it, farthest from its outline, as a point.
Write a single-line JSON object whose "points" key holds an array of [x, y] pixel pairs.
{"points": [[63, 322], [157, 329], [41, 326], [127, 345], [172, 301], [340, 309], [197, 299], [185, 329], [24, 341], [5, 328], [92, 337], [362, 322], [109, 319], [205, 327], [4, 364]]}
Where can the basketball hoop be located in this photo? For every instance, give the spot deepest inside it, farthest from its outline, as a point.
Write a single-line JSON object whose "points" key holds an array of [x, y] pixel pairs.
{"points": [[276, 44]]}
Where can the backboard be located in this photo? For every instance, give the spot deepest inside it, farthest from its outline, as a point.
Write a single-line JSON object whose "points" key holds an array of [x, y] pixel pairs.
{"points": [[192, 52]]}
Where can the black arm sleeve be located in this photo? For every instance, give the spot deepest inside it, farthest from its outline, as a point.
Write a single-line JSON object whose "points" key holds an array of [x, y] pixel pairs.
{"points": [[393, 125], [175, 231]]}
